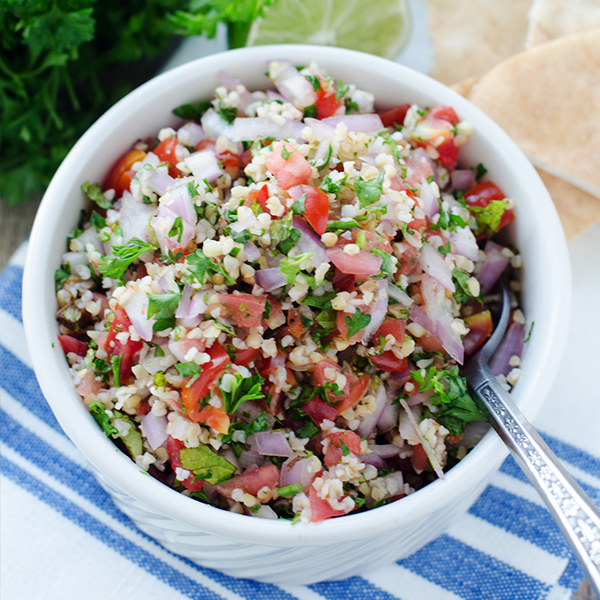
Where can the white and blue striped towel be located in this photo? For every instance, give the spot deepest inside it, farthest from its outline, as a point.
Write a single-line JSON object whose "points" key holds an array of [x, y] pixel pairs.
{"points": [[63, 538]]}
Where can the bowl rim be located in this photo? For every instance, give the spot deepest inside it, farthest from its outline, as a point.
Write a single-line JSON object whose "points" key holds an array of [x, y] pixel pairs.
{"points": [[123, 472]]}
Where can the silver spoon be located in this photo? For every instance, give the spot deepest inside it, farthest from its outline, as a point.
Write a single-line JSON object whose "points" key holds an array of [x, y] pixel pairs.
{"points": [[576, 515]]}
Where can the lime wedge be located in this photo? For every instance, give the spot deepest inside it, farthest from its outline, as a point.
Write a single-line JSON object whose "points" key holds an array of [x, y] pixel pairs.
{"points": [[375, 26]]}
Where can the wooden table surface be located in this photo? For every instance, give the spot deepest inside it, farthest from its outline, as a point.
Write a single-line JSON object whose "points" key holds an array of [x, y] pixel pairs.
{"points": [[15, 225]]}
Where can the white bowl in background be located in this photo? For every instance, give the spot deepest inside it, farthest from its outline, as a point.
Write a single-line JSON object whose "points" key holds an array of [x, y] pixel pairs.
{"points": [[268, 550]]}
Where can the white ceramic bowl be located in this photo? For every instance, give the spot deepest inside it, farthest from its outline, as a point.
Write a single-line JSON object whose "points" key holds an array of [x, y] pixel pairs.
{"points": [[266, 550]]}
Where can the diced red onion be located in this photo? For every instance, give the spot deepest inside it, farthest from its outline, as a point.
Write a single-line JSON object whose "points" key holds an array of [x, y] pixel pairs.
{"points": [[373, 459], [249, 458], [323, 131], [419, 316], [385, 450], [74, 259], [363, 123], [379, 312], [293, 86], [197, 306], [462, 241], [389, 418], [136, 307], [204, 165], [368, 424], [190, 134], [298, 472], [160, 182], [215, 126], [494, 264], [271, 444], [181, 204], [309, 241], [230, 82], [419, 397], [397, 294], [164, 284], [155, 429], [270, 279], [432, 262], [438, 310], [272, 96], [462, 179], [89, 236], [134, 218], [251, 251], [397, 475], [429, 202], [191, 322], [163, 221], [472, 433], [250, 129], [511, 345], [184, 303], [433, 459]]}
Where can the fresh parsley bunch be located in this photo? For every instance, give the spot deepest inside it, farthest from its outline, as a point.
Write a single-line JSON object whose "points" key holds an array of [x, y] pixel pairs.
{"points": [[64, 62]]}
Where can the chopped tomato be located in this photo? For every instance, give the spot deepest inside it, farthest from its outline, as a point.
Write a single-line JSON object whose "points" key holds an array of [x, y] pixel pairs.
{"points": [[206, 145], [251, 481], [191, 394], [389, 362], [429, 343], [408, 259], [246, 356], [114, 347], [327, 105], [480, 328], [214, 417], [321, 509], [483, 193], [419, 169], [262, 196], [245, 158], [166, 153], [294, 322], [319, 410], [247, 310], [448, 152], [419, 458], [363, 263], [174, 446], [418, 224], [316, 206], [293, 170], [144, 407], [445, 113], [71, 344], [394, 116], [395, 327], [350, 439], [356, 392], [121, 174]]}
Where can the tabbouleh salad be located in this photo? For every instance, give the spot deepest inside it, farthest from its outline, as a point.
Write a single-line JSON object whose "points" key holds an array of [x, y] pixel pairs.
{"points": [[268, 307]]}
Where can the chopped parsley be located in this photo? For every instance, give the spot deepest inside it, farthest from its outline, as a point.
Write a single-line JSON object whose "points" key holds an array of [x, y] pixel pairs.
{"points": [[177, 229], [206, 464], [164, 307], [290, 490], [298, 207], [462, 293], [94, 193], [356, 322], [199, 265], [98, 411], [369, 192], [311, 112], [241, 389], [330, 187], [123, 256], [341, 91], [281, 229], [488, 218], [192, 112], [480, 171], [285, 153], [228, 113], [315, 82], [61, 275]]}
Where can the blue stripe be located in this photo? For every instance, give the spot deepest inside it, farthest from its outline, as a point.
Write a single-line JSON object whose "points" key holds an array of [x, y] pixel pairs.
{"points": [[10, 291], [572, 575], [471, 574], [83, 483], [106, 535], [351, 589], [521, 518], [20, 382], [577, 457]]}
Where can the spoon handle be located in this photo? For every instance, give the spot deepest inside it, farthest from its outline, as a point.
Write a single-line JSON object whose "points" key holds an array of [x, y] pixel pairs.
{"points": [[573, 511]]}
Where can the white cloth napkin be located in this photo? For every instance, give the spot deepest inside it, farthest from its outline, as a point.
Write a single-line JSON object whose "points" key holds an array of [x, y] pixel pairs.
{"points": [[61, 536]]}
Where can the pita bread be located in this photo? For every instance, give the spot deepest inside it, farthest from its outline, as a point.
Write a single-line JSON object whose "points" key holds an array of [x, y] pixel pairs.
{"points": [[576, 209], [464, 87], [553, 19], [548, 100], [470, 37]]}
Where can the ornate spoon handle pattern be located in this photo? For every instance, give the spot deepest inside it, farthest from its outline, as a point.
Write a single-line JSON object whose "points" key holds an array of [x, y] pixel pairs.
{"points": [[574, 512]]}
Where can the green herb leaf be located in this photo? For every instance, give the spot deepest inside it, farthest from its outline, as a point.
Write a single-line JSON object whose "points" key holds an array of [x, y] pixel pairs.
{"points": [[206, 464], [94, 193], [188, 369], [488, 217], [61, 275], [290, 490], [241, 390], [341, 225], [290, 242], [341, 90], [298, 207], [530, 332], [116, 265], [327, 158], [387, 265], [480, 171], [285, 153], [329, 187], [356, 322], [259, 424], [281, 229], [228, 113], [115, 365], [97, 221], [199, 265], [369, 192], [316, 83], [133, 438], [164, 307], [192, 112], [311, 112], [98, 411], [345, 450], [462, 293], [323, 302], [290, 267], [177, 229]]}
